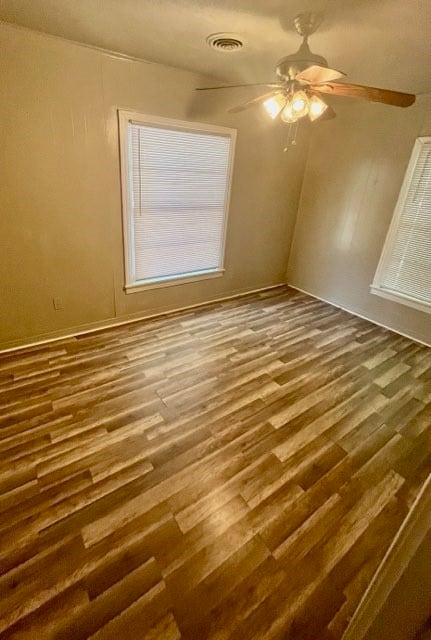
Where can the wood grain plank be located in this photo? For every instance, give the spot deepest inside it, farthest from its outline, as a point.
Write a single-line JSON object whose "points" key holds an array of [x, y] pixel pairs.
{"points": [[234, 471]]}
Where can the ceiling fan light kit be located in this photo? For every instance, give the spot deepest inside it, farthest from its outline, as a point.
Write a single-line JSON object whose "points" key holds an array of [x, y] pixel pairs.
{"points": [[299, 105], [302, 79]]}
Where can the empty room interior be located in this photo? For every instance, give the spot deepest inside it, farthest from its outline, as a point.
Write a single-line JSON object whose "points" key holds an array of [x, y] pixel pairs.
{"points": [[215, 320]]}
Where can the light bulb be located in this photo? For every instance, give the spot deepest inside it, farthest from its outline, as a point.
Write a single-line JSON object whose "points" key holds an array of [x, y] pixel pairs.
{"points": [[274, 105], [299, 104], [316, 108], [287, 115]]}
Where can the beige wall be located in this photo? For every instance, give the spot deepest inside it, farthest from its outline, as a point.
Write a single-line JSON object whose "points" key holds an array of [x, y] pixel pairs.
{"points": [[355, 167], [60, 204]]}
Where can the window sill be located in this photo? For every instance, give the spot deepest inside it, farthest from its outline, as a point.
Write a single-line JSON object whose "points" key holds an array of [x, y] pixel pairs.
{"points": [[158, 283], [401, 299]]}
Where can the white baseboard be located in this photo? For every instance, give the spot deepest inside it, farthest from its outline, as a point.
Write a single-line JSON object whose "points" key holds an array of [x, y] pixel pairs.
{"points": [[359, 315], [112, 322]]}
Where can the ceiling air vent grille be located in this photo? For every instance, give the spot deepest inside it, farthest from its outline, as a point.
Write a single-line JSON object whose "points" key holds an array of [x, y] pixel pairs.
{"points": [[225, 41]]}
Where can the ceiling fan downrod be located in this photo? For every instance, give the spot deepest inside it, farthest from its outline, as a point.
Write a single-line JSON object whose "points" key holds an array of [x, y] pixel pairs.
{"points": [[289, 66]]}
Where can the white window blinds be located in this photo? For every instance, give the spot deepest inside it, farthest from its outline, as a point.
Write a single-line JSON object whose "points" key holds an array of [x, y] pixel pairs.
{"points": [[178, 194], [405, 266]]}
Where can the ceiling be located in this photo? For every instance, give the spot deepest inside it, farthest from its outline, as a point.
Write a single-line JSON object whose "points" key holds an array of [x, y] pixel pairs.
{"points": [[378, 42]]}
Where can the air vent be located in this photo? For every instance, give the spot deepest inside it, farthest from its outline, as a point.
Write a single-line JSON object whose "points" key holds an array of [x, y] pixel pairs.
{"points": [[225, 42]]}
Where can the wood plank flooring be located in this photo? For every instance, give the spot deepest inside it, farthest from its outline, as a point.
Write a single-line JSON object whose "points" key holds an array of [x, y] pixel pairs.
{"points": [[236, 471]]}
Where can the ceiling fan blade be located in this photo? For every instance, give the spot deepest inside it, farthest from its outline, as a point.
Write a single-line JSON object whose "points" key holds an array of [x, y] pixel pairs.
{"points": [[234, 86], [254, 101], [395, 98], [316, 74]]}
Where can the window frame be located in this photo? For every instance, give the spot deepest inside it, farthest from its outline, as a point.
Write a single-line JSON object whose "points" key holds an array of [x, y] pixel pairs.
{"points": [[125, 117], [388, 245]]}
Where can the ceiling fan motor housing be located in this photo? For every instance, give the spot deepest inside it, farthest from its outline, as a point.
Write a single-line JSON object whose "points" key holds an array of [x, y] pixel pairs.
{"points": [[289, 66]]}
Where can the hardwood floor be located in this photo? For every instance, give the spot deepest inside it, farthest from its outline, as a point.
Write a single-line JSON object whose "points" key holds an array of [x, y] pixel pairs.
{"points": [[425, 634], [231, 472]]}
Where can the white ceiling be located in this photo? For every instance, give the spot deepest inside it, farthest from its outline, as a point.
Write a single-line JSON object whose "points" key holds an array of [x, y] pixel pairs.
{"points": [[378, 42]]}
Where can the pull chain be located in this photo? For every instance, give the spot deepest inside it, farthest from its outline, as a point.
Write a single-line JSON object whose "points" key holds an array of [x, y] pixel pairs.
{"points": [[291, 136]]}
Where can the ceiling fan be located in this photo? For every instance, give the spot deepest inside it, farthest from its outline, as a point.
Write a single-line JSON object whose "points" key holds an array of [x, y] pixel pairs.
{"points": [[302, 79]]}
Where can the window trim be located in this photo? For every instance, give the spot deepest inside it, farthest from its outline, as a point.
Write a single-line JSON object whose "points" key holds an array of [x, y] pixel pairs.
{"points": [[131, 285], [376, 287]]}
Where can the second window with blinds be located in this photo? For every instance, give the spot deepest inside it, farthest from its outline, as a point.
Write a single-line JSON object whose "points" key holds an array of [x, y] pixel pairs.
{"points": [[176, 180], [404, 271]]}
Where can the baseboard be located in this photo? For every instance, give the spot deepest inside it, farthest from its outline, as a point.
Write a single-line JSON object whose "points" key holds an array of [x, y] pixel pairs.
{"points": [[359, 315], [395, 562], [54, 336]]}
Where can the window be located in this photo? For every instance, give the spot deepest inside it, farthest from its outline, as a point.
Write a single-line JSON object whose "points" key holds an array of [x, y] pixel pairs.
{"points": [[176, 182], [404, 271]]}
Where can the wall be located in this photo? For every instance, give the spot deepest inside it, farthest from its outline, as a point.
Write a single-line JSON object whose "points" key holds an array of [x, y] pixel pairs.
{"points": [[60, 201], [355, 167]]}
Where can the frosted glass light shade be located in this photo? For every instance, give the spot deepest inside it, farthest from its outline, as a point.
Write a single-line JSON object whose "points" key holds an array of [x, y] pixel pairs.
{"points": [[299, 104], [287, 115], [274, 105], [316, 108]]}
